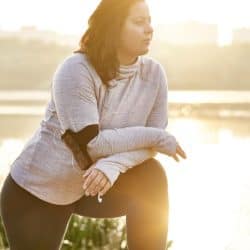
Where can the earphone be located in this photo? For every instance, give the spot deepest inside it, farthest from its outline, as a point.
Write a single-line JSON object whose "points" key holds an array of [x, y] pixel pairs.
{"points": [[99, 198]]}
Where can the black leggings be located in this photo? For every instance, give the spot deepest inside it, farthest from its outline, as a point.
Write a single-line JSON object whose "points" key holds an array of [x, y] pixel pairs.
{"points": [[141, 194]]}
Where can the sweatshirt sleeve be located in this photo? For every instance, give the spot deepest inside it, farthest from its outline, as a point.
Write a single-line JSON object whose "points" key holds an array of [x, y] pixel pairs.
{"points": [[118, 140], [76, 105], [113, 165], [74, 96]]}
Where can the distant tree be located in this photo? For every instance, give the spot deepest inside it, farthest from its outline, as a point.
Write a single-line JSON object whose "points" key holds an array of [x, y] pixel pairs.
{"points": [[3, 239], [31, 64], [84, 233]]}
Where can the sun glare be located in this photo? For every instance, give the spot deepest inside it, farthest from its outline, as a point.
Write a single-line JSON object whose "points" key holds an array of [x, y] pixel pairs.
{"points": [[205, 191], [71, 16], [9, 149]]}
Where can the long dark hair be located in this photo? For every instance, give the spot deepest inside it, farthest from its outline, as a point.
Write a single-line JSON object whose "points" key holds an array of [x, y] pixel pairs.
{"points": [[101, 39]]}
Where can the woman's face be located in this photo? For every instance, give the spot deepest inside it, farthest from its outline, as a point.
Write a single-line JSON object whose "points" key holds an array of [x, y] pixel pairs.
{"points": [[137, 31]]}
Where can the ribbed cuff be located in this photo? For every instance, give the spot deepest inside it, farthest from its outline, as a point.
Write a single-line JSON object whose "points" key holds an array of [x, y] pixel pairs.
{"points": [[110, 171]]}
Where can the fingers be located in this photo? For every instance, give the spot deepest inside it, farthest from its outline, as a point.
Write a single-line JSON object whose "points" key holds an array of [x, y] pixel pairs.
{"points": [[95, 182], [91, 181], [100, 185], [175, 157], [105, 188], [180, 151]]}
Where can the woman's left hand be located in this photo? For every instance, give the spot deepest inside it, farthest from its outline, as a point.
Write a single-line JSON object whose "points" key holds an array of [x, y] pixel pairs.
{"points": [[95, 182], [180, 152]]}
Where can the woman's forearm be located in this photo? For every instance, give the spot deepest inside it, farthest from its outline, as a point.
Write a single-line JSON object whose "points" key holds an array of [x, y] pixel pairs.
{"points": [[115, 164], [112, 141]]}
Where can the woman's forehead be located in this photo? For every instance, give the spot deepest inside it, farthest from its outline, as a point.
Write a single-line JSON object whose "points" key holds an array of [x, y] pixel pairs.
{"points": [[139, 9]]}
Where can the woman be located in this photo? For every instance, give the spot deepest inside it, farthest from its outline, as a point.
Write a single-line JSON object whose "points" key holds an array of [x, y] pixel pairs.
{"points": [[104, 124]]}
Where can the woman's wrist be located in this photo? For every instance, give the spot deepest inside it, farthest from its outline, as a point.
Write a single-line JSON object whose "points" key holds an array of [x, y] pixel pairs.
{"points": [[167, 144]]}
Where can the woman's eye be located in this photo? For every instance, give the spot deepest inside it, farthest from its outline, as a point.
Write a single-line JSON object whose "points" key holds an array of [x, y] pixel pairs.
{"points": [[139, 22], [142, 21]]}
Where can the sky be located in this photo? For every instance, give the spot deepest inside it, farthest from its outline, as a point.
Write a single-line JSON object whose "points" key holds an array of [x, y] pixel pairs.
{"points": [[70, 17]]}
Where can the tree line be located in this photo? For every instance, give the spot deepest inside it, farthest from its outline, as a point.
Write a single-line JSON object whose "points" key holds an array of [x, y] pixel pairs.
{"points": [[31, 64]]}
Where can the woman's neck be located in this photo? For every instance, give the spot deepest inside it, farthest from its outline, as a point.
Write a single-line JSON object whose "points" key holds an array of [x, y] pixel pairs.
{"points": [[126, 59]]}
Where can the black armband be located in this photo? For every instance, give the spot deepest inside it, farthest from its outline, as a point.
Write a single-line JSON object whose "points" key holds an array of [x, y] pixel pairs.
{"points": [[77, 143]]}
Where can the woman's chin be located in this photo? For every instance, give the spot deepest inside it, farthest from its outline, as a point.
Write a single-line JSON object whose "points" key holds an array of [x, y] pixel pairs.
{"points": [[145, 51], [142, 51]]}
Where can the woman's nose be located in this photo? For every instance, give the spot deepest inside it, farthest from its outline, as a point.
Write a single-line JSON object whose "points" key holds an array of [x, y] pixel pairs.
{"points": [[149, 29]]}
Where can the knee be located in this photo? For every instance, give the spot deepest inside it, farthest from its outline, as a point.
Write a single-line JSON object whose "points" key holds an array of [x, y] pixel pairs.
{"points": [[155, 176], [157, 170], [152, 192]]}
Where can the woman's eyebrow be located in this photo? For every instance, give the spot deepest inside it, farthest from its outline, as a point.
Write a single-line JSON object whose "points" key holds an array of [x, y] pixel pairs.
{"points": [[142, 17]]}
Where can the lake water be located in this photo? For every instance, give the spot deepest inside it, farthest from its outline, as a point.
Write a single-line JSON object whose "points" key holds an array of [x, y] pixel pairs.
{"points": [[209, 191]]}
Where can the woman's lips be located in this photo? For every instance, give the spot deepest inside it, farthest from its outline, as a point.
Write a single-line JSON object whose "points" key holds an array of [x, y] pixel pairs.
{"points": [[147, 41]]}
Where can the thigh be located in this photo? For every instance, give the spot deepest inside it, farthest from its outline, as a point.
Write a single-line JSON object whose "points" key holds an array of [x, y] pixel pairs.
{"points": [[114, 202], [29, 222], [137, 185]]}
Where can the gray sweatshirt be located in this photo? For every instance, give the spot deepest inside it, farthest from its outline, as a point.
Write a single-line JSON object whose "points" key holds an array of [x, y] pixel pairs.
{"points": [[132, 117]]}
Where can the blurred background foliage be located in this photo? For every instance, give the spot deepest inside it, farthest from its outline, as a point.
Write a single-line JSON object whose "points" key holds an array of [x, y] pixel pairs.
{"points": [[84, 233], [29, 65]]}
